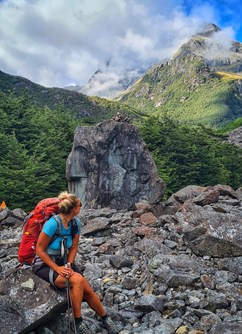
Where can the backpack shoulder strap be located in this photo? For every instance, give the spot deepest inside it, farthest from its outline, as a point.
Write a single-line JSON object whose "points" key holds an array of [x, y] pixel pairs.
{"points": [[59, 223], [58, 230], [74, 227]]}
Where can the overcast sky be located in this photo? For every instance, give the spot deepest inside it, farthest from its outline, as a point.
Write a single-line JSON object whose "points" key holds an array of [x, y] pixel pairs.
{"points": [[63, 42]]}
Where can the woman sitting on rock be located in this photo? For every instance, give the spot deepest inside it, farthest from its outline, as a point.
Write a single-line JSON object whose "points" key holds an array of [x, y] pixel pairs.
{"points": [[49, 263]]}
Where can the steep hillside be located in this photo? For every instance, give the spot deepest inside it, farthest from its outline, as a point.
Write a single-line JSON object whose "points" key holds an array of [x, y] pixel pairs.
{"points": [[36, 141], [200, 85], [76, 103]]}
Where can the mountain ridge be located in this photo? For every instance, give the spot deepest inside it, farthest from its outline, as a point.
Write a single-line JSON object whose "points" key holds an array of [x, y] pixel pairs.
{"points": [[78, 104], [193, 88]]}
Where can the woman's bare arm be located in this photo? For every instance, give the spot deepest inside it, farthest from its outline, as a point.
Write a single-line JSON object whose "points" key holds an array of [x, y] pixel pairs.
{"points": [[42, 244]]}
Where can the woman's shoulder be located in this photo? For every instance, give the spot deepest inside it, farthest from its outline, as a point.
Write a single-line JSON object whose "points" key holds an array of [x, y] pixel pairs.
{"points": [[77, 221], [53, 219], [50, 224]]}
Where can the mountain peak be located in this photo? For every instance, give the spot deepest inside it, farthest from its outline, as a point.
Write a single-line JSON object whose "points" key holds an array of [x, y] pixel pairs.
{"points": [[208, 29], [218, 52]]}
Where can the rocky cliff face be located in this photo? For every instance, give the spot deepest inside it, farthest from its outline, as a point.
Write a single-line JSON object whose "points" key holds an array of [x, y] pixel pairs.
{"points": [[110, 166], [171, 269], [235, 137]]}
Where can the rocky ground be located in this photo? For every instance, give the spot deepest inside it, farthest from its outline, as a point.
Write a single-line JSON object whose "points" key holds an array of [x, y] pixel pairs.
{"points": [[172, 269]]}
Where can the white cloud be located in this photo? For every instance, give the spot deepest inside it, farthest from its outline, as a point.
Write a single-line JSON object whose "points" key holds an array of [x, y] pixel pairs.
{"points": [[219, 46], [58, 43]]}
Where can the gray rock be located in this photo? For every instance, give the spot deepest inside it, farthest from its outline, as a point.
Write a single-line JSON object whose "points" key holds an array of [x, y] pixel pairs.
{"points": [[227, 328], [95, 225], [110, 166], [215, 231], [239, 193], [232, 264], [129, 283], [13, 316], [224, 190], [149, 303], [188, 192], [216, 247], [4, 214], [208, 321], [187, 270], [20, 308], [160, 325], [11, 221], [235, 137], [120, 262], [180, 278]]}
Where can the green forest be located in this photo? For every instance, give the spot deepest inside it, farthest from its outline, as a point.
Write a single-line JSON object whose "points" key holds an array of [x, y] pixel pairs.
{"points": [[193, 155], [35, 143]]}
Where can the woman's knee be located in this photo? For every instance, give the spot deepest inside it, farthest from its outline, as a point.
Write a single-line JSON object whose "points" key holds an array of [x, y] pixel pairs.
{"points": [[77, 279]]}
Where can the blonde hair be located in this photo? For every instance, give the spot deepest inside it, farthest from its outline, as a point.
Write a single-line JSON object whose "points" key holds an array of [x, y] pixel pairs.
{"points": [[68, 202]]}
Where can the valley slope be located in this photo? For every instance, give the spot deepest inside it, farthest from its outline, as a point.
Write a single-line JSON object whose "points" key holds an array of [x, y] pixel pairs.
{"points": [[200, 85]]}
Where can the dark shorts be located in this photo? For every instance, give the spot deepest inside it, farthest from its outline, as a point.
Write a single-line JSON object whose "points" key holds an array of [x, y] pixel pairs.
{"points": [[43, 271]]}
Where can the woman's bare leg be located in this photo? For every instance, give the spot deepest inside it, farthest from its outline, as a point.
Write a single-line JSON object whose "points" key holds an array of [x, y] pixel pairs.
{"points": [[76, 282], [92, 299]]}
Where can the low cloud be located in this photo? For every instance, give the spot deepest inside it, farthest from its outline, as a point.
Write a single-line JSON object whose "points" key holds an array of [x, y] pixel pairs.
{"points": [[61, 43], [219, 45]]}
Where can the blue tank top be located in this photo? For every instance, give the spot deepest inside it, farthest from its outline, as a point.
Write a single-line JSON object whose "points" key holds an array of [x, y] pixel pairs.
{"points": [[50, 229]]}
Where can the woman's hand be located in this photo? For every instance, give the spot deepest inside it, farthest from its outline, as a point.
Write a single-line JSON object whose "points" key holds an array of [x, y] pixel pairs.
{"points": [[65, 271]]}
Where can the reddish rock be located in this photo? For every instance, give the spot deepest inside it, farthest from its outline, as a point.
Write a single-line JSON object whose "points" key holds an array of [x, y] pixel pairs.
{"points": [[147, 218]]}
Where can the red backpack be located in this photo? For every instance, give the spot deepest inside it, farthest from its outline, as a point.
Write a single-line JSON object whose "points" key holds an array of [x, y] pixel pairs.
{"points": [[33, 224]]}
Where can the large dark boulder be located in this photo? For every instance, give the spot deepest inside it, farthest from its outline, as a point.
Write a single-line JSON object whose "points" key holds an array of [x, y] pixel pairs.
{"points": [[110, 166]]}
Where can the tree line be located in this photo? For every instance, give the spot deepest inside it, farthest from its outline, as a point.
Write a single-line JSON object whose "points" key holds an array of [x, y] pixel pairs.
{"points": [[191, 155], [35, 143]]}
